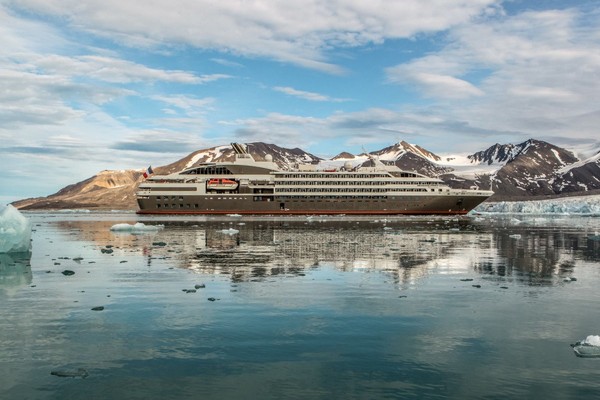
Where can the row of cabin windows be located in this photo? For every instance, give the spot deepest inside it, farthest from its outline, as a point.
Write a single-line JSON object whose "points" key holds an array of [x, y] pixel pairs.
{"points": [[346, 190], [166, 198], [354, 183], [180, 205], [307, 190], [214, 170], [320, 175], [280, 198], [339, 198]]}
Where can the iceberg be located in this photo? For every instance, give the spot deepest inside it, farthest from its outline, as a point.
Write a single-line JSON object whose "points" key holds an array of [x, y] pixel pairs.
{"points": [[15, 231], [138, 227], [579, 205], [588, 347], [229, 231]]}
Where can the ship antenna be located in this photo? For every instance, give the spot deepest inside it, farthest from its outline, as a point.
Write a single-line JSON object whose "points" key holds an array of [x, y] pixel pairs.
{"points": [[369, 155], [374, 159]]}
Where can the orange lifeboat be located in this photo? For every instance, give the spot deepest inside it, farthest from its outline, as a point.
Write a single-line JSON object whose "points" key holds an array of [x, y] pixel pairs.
{"points": [[221, 184]]}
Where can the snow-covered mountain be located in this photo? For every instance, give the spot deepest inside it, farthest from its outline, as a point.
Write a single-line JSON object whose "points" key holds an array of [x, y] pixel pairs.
{"points": [[532, 169], [403, 148], [497, 154], [283, 157]]}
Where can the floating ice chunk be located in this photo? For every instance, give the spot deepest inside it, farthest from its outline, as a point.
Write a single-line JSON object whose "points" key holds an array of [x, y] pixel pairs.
{"points": [[591, 340], [136, 228], [229, 231], [515, 236], [15, 231], [588, 347], [234, 215]]}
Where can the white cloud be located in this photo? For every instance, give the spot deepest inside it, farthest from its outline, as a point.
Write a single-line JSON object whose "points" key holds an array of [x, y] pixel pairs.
{"points": [[227, 63], [435, 85], [24, 35], [531, 74], [311, 96], [114, 70], [30, 99], [296, 31], [189, 104]]}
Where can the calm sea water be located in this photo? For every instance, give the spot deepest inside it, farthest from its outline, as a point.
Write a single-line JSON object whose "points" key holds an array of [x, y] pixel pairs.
{"points": [[301, 308]]}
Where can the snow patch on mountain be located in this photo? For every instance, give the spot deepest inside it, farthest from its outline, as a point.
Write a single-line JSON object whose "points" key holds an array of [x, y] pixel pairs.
{"points": [[208, 154], [593, 159], [399, 149]]}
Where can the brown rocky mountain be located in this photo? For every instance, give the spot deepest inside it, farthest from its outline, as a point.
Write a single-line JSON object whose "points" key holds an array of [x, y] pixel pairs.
{"points": [[107, 190]]}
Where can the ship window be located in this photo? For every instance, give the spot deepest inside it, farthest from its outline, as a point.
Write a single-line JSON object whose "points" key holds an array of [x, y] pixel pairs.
{"points": [[158, 206]]}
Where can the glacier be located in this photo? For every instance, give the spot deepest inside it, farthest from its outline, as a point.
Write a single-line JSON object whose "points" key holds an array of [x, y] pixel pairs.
{"points": [[15, 231], [579, 205]]}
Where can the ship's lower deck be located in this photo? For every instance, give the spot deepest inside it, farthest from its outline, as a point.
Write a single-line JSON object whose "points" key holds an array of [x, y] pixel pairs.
{"points": [[284, 205]]}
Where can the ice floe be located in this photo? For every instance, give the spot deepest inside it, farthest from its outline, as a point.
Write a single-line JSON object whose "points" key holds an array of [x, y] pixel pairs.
{"points": [[229, 231], [588, 347], [138, 227], [15, 231]]}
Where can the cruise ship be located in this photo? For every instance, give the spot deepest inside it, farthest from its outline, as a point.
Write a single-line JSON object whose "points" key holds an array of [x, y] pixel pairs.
{"points": [[249, 186]]}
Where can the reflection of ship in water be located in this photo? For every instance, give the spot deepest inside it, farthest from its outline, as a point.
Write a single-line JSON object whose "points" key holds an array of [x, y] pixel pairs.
{"points": [[15, 270], [265, 248]]}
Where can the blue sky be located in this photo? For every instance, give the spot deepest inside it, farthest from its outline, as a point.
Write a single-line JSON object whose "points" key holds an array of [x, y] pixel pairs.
{"points": [[93, 85]]}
